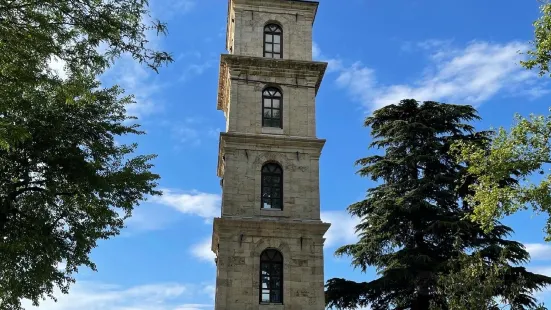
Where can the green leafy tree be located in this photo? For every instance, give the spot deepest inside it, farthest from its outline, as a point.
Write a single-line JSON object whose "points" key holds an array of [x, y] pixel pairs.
{"points": [[525, 150], [64, 181], [540, 55], [86, 35], [414, 228]]}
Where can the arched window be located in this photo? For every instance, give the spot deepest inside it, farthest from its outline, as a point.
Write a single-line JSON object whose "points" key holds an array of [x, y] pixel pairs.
{"points": [[272, 41], [271, 277], [272, 106], [272, 187]]}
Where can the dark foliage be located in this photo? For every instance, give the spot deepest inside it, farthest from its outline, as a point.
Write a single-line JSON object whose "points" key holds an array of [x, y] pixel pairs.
{"points": [[413, 226]]}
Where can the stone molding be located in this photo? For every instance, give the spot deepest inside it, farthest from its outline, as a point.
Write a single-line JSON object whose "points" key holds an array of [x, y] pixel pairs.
{"points": [[279, 228], [236, 67], [232, 142]]}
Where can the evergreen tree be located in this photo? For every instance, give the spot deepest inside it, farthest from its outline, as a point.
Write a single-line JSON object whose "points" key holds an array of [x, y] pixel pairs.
{"points": [[414, 228]]}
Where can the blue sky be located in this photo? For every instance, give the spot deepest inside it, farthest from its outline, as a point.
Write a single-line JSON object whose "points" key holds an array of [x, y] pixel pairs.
{"points": [[379, 52]]}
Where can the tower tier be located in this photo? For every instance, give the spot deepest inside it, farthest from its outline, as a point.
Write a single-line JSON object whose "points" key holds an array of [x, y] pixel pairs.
{"points": [[269, 238]]}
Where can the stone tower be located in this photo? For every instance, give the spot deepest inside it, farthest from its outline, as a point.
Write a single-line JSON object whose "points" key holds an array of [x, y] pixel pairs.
{"points": [[269, 238]]}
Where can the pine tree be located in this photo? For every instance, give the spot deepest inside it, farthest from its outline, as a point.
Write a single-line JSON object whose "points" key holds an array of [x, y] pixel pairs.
{"points": [[413, 227]]}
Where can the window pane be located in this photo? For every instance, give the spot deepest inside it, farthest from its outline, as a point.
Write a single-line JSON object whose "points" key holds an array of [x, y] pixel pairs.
{"points": [[269, 38], [267, 103], [276, 270], [276, 48], [266, 283], [275, 103], [267, 113], [277, 39], [268, 47], [276, 297], [276, 193], [276, 114], [265, 296], [276, 284], [267, 180], [266, 204]]}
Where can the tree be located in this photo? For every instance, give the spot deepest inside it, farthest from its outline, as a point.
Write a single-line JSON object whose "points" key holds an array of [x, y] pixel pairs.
{"points": [[64, 181], [525, 150], [540, 56], [86, 35], [413, 227]]}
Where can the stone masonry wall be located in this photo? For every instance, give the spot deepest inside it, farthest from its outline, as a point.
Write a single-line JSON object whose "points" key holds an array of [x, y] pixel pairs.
{"points": [[248, 39], [242, 182], [239, 267], [246, 108]]}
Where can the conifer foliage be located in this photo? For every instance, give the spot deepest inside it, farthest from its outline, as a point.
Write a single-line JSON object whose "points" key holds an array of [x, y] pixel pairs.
{"points": [[414, 228]]}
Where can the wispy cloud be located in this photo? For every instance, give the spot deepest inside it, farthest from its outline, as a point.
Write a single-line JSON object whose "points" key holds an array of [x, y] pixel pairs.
{"points": [[139, 81], [539, 251], [342, 230], [193, 70], [173, 206], [429, 44], [195, 203], [203, 251], [93, 296], [148, 217], [169, 9], [191, 131], [333, 64], [471, 74]]}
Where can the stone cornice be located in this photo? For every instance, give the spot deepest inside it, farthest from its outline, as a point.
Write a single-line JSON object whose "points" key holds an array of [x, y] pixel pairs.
{"points": [[246, 66], [285, 6], [229, 139], [238, 141], [229, 224]]}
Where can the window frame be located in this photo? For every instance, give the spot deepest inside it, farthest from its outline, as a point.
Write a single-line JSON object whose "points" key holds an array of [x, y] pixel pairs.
{"points": [[271, 263], [273, 34], [267, 96], [263, 186]]}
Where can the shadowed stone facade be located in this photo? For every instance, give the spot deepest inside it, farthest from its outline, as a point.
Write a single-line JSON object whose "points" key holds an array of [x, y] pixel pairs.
{"points": [[246, 227]]}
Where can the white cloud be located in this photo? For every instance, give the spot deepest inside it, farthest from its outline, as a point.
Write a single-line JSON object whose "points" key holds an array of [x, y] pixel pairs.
{"points": [[57, 65], [342, 230], [316, 51], [469, 75], [138, 80], [210, 290], [149, 217], [169, 9], [360, 81], [193, 203], [196, 69], [434, 44], [544, 270], [539, 251], [333, 64], [96, 296], [203, 251], [61, 266], [191, 131], [157, 213]]}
